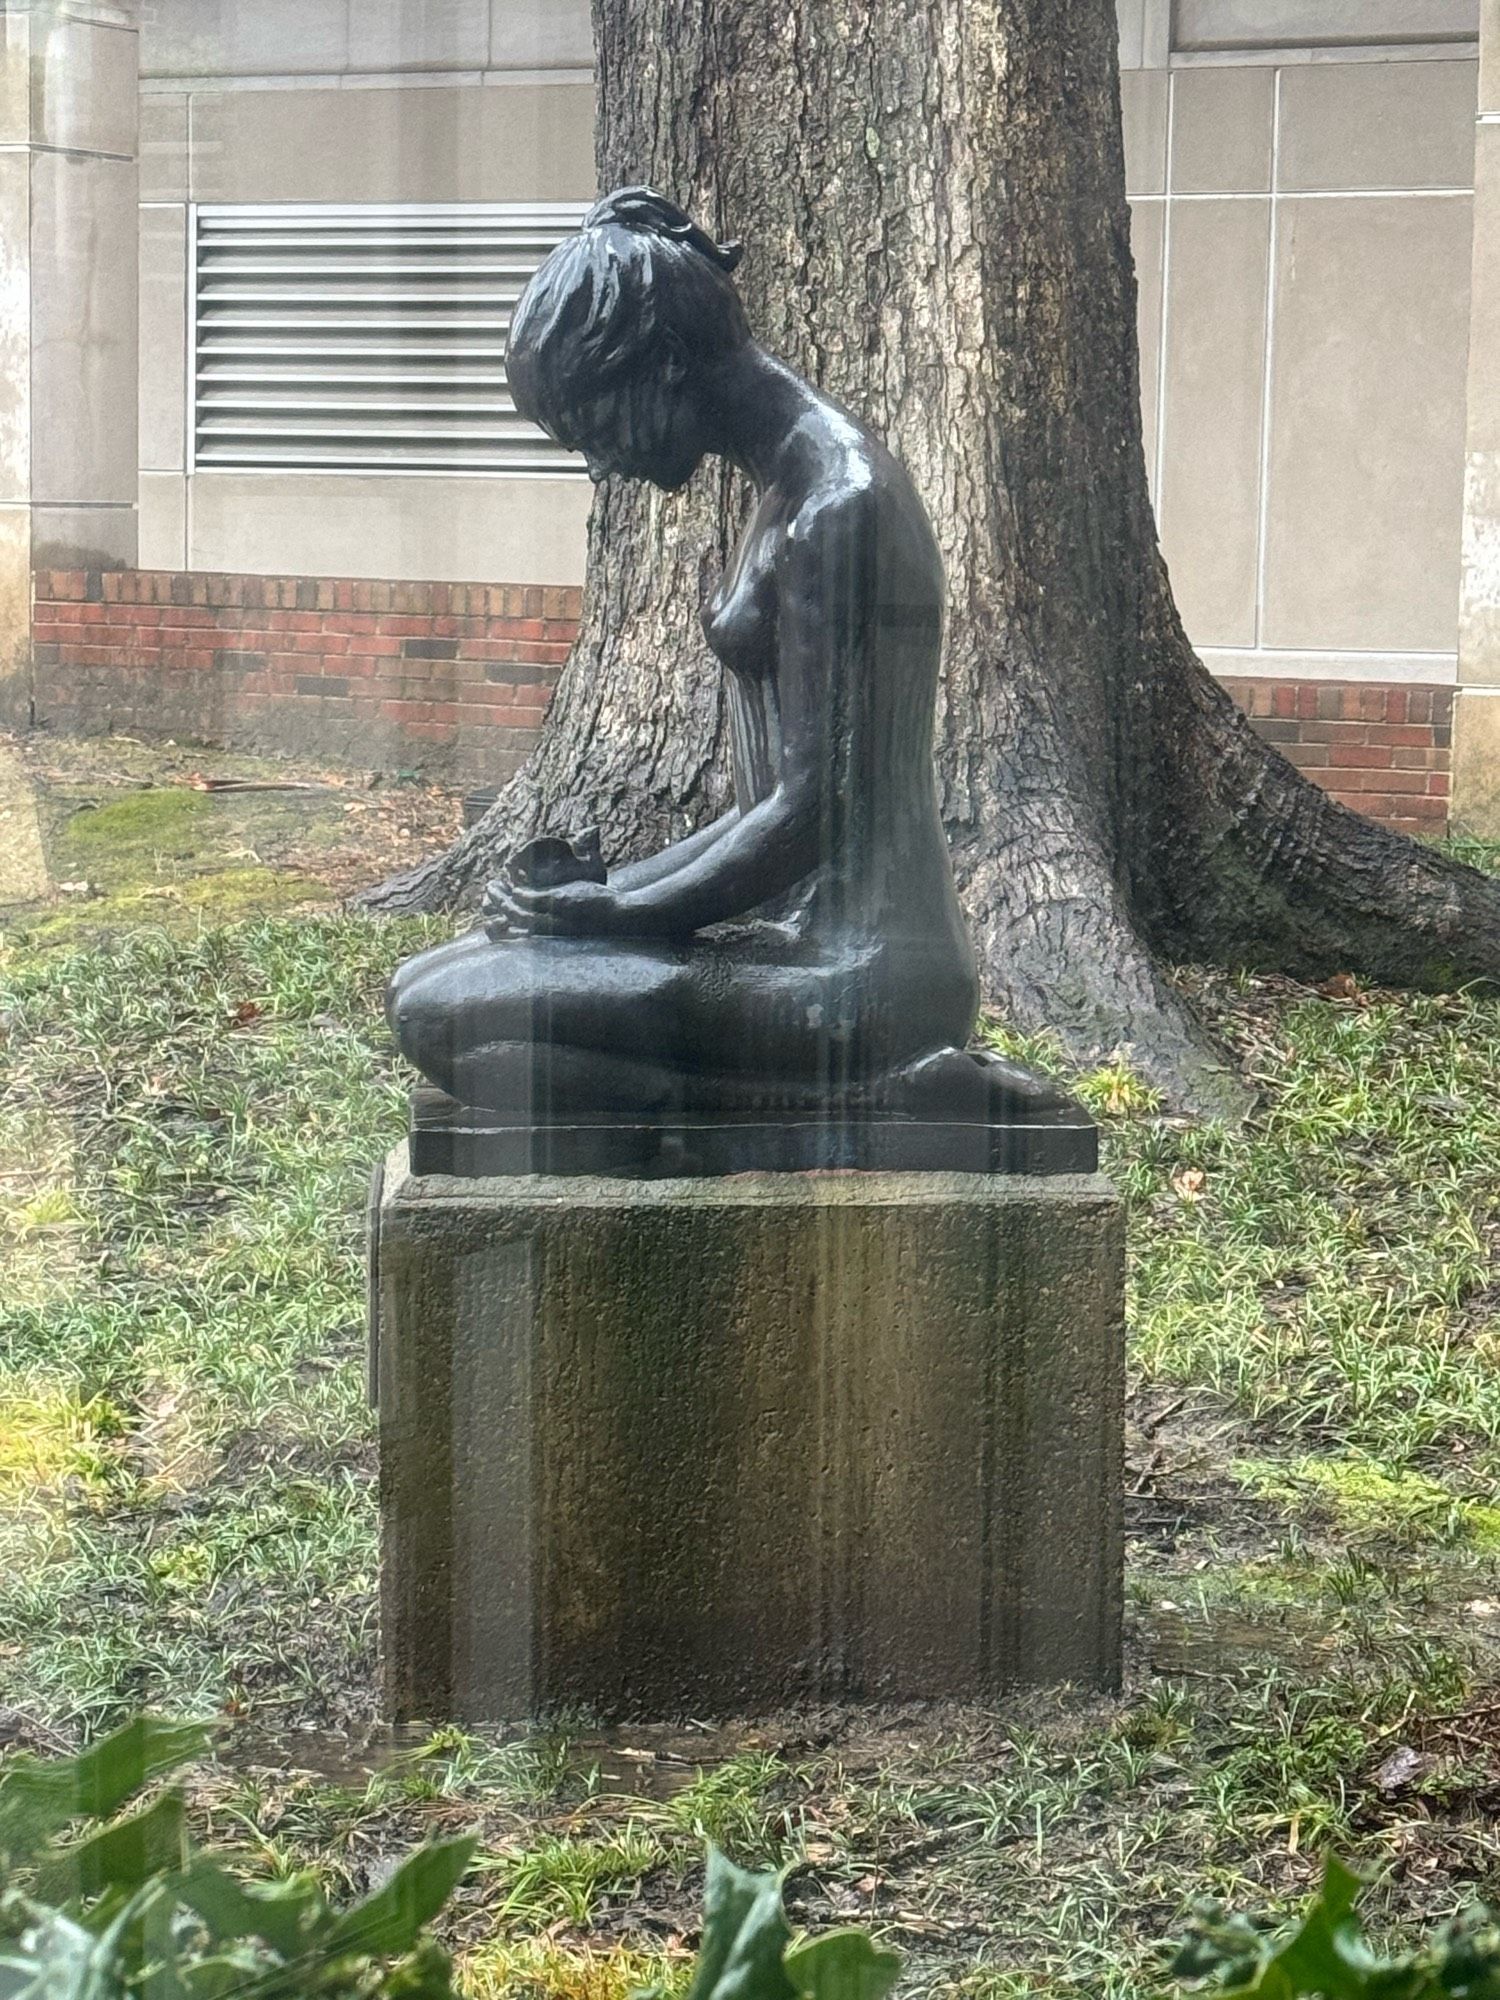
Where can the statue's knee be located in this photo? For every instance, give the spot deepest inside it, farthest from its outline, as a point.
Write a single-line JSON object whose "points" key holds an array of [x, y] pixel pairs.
{"points": [[421, 1023]]}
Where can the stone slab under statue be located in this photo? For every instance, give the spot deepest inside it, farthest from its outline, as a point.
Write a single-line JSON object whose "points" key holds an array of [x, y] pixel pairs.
{"points": [[674, 1420]]}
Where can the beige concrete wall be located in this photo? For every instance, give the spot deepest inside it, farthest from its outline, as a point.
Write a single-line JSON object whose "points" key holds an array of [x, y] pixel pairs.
{"points": [[442, 530], [1303, 231], [219, 40], [68, 282], [240, 131], [1302, 228], [1202, 25]]}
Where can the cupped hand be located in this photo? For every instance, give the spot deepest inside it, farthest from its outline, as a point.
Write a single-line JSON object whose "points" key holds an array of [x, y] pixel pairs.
{"points": [[574, 909]]}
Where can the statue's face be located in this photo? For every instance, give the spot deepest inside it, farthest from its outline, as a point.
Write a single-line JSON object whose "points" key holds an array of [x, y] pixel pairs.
{"points": [[647, 426]]}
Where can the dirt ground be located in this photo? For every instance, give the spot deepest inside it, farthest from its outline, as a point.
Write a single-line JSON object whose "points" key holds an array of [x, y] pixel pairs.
{"points": [[202, 830]]}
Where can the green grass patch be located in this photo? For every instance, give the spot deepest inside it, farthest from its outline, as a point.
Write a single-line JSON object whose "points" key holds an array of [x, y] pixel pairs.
{"points": [[188, 1115]]}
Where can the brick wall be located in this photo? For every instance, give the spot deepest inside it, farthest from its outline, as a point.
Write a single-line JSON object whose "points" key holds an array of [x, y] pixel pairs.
{"points": [[1385, 750], [454, 678]]}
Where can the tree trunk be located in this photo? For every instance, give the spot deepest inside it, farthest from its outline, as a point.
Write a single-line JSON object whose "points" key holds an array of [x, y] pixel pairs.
{"points": [[933, 199]]}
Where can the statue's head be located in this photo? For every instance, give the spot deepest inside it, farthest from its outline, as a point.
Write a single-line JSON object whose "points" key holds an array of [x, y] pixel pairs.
{"points": [[614, 339]]}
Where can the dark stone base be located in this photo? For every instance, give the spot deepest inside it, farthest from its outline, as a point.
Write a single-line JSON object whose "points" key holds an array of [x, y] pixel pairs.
{"points": [[714, 1447], [458, 1139]]}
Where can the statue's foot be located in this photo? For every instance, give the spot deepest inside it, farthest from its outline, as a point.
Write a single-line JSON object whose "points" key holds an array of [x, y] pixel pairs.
{"points": [[981, 1088]]}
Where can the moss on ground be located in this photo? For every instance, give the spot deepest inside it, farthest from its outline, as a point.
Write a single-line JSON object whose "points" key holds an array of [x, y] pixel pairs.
{"points": [[1371, 1503]]}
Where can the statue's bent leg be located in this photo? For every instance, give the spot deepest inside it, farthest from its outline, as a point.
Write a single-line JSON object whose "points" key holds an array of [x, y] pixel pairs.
{"points": [[521, 1021]]}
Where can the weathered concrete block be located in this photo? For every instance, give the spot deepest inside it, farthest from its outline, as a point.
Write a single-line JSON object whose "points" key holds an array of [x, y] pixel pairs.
{"points": [[699, 1446]]}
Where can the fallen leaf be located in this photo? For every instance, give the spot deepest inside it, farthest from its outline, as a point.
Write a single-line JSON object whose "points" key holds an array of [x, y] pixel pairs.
{"points": [[1402, 1768], [1343, 986]]}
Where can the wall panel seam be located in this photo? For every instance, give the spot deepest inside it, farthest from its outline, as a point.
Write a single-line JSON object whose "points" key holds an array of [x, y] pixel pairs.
{"points": [[1263, 507], [1328, 52], [1165, 317], [1326, 194]]}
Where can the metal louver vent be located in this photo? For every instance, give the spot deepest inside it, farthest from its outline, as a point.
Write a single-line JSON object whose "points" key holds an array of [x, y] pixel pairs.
{"points": [[366, 339]]}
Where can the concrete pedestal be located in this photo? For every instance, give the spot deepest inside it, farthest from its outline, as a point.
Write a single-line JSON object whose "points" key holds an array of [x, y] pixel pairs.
{"points": [[717, 1446]]}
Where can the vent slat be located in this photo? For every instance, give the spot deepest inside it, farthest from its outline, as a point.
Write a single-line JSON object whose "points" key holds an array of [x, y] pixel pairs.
{"points": [[352, 339]]}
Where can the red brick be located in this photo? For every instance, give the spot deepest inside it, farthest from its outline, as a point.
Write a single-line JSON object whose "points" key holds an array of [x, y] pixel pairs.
{"points": [[1419, 704], [1438, 784], [1434, 810], [493, 694], [1359, 756], [1395, 705], [1382, 781], [1410, 733], [1335, 732]]}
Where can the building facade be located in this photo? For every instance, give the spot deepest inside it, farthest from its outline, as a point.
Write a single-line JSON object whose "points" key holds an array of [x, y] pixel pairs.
{"points": [[261, 466]]}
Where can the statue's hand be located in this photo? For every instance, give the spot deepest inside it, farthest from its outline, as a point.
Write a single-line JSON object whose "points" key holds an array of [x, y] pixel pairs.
{"points": [[572, 909]]}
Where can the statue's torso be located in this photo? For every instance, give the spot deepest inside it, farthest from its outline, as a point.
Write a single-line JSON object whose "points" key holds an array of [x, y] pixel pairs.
{"points": [[884, 882]]}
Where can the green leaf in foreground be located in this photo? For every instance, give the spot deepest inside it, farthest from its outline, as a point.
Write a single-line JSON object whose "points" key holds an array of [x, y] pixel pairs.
{"points": [[39, 1797], [122, 1857], [1326, 1957], [391, 1921], [745, 1936], [842, 1965]]}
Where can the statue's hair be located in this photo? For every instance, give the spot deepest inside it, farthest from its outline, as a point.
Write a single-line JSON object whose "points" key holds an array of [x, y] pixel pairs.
{"points": [[604, 304]]}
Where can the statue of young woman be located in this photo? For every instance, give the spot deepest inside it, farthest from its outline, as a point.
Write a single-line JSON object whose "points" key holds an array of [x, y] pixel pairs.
{"points": [[805, 954]]}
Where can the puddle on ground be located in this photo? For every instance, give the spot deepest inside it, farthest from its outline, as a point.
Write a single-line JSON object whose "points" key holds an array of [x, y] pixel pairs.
{"points": [[1194, 1643], [649, 1761]]}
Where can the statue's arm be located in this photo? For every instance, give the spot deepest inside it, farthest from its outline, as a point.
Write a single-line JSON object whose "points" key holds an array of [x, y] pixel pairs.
{"points": [[640, 874], [765, 852], [822, 588], [758, 855]]}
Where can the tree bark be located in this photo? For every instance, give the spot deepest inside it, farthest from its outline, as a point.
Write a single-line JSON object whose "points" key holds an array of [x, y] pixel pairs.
{"points": [[933, 198]]}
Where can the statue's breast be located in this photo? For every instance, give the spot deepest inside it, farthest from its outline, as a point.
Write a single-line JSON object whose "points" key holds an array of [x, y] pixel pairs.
{"points": [[739, 620]]}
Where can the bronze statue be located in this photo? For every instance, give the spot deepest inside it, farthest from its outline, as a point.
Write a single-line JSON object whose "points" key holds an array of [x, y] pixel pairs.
{"points": [[801, 966]]}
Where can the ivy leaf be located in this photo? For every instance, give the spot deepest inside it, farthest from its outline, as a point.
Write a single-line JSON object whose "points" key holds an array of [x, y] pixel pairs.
{"points": [[283, 1915]]}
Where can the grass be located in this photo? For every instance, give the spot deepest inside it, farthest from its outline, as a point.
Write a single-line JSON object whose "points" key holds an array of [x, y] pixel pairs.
{"points": [[187, 1123]]}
